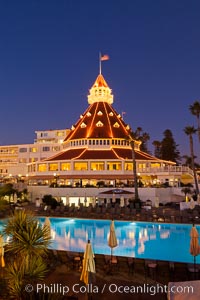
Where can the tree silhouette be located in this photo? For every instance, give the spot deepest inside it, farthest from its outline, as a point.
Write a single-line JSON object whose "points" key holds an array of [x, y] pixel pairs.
{"points": [[169, 149], [190, 130], [195, 110]]}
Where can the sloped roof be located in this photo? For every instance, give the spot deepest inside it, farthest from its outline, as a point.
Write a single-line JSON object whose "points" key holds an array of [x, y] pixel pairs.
{"points": [[100, 82], [83, 154], [88, 154], [100, 120], [139, 155], [66, 155]]}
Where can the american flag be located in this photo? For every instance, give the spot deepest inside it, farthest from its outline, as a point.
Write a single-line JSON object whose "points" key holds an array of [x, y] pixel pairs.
{"points": [[105, 57]]}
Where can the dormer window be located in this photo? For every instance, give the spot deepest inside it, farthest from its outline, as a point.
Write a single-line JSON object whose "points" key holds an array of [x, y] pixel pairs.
{"points": [[88, 114], [99, 124], [116, 125], [99, 113], [72, 128], [83, 125], [81, 116], [111, 114]]}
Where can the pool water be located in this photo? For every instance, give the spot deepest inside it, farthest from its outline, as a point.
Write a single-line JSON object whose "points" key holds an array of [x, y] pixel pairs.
{"points": [[160, 241], [169, 242]]}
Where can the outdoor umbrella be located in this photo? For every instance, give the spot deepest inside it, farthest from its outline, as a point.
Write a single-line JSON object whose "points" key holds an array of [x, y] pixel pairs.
{"points": [[194, 244], [47, 225], [122, 201], [112, 240], [198, 199], [192, 204], [2, 262], [93, 201], [88, 264]]}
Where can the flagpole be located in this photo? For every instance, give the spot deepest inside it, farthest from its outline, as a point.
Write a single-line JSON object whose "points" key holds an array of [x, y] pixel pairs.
{"points": [[99, 62]]}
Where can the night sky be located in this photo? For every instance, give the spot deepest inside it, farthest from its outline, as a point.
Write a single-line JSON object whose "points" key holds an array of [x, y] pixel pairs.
{"points": [[49, 53]]}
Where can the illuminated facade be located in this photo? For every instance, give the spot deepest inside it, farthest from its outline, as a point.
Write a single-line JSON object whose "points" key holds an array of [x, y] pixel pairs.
{"points": [[97, 152], [15, 158]]}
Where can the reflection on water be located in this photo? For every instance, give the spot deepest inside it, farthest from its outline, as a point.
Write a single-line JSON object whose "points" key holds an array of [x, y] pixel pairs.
{"points": [[135, 239]]}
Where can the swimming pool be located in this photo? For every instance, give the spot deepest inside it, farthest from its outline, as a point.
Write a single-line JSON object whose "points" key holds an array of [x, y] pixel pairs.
{"points": [[159, 241], [169, 242]]}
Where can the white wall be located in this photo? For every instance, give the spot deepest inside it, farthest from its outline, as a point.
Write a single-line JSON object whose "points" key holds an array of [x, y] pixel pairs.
{"points": [[164, 194]]}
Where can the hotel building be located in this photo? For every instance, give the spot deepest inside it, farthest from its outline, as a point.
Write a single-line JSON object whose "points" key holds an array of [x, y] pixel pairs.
{"points": [[97, 152]]}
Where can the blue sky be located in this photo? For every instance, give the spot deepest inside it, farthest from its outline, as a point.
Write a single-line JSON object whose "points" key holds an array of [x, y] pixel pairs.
{"points": [[49, 60]]}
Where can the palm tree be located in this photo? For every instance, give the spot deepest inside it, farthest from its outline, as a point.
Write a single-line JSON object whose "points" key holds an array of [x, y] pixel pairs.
{"points": [[195, 110], [27, 248], [131, 139], [190, 130], [188, 161], [7, 190], [186, 191]]}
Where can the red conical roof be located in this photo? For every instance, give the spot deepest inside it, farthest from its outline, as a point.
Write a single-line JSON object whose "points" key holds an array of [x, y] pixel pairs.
{"points": [[100, 120]]}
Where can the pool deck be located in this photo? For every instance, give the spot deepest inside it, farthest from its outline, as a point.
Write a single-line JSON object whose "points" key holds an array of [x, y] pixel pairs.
{"points": [[65, 273], [169, 214]]}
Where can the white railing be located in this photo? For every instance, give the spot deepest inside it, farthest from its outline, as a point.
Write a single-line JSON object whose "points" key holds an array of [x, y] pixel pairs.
{"points": [[166, 169]]}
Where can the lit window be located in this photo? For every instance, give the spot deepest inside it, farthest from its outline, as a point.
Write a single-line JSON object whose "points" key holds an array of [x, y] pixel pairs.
{"points": [[60, 133], [97, 166], [99, 124], [33, 150], [53, 167], [42, 168], [33, 159], [114, 166], [129, 166], [65, 166], [80, 166], [56, 148], [83, 125], [116, 125]]}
